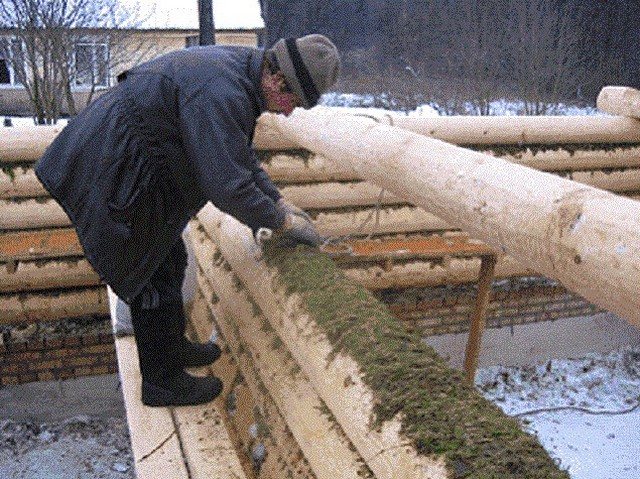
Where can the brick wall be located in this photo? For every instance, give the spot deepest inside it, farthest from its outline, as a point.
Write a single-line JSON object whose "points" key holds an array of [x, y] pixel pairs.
{"points": [[447, 310], [59, 358]]}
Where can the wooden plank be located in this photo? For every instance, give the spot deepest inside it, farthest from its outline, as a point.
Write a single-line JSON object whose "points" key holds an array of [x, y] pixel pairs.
{"points": [[52, 274], [337, 381], [586, 238], [154, 438], [30, 245], [27, 308], [325, 446], [619, 100]]}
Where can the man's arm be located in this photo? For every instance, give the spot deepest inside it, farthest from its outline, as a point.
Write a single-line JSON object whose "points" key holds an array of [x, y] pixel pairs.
{"points": [[221, 156]]}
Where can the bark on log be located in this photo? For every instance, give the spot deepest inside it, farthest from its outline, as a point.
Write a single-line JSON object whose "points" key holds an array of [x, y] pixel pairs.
{"points": [[30, 245], [586, 238], [20, 182], [619, 100], [54, 274], [33, 307]]}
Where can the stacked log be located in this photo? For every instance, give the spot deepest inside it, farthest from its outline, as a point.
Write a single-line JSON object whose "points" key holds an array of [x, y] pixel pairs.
{"points": [[344, 375], [43, 273]]}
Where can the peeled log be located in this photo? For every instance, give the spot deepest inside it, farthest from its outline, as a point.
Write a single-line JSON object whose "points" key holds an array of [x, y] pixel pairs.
{"points": [[32, 214], [35, 307], [619, 100], [288, 168], [54, 274], [587, 239], [20, 183], [28, 144]]}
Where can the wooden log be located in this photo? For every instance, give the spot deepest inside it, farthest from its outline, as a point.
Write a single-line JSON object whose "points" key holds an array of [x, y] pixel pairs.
{"points": [[321, 440], [32, 214], [338, 195], [407, 219], [30, 245], [326, 323], [619, 100], [338, 382], [292, 168], [586, 238], [28, 144], [54, 274], [20, 182], [425, 274], [283, 454], [23, 144], [33, 307], [614, 181]]}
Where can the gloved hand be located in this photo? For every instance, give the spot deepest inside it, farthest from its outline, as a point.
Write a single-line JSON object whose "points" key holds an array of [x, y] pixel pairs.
{"points": [[297, 230], [293, 209]]}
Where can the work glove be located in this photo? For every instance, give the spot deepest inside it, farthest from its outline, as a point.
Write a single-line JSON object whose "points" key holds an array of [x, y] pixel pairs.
{"points": [[292, 209], [297, 230]]}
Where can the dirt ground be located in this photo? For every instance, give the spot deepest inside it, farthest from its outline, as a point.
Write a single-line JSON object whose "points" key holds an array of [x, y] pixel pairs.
{"points": [[82, 447]]}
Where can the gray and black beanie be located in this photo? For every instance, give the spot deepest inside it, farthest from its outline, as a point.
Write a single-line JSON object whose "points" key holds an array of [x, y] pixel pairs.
{"points": [[310, 65]]}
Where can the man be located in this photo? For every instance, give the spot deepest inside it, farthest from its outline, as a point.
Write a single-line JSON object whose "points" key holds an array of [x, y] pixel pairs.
{"points": [[143, 158]]}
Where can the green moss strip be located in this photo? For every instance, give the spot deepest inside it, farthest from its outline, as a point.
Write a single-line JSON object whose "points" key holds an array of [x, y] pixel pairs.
{"points": [[440, 413]]}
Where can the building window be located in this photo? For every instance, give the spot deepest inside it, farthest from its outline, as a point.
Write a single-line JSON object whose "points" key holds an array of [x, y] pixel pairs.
{"points": [[192, 41], [5, 75], [92, 64]]}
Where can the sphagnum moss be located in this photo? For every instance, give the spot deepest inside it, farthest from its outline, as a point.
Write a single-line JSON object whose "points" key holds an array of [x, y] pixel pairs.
{"points": [[440, 413]]}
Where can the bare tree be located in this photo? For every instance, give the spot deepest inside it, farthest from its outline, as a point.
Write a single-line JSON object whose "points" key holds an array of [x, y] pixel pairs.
{"points": [[54, 45]]}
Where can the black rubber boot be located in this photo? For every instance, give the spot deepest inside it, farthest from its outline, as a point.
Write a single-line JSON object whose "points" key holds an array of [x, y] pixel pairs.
{"points": [[191, 355], [164, 381]]}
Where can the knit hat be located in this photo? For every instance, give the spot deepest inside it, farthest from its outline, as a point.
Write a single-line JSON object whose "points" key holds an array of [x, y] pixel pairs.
{"points": [[310, 65]]}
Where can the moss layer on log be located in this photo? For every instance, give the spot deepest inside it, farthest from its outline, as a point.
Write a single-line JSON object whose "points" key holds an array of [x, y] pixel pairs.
{"points": [[439, 413]]}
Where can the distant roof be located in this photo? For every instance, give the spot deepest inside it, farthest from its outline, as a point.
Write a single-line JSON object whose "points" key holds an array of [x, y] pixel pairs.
{"points": [[183, 14]]}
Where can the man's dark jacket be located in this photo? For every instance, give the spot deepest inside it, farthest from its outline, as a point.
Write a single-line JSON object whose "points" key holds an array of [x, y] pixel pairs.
{"points": [[143, 158]]}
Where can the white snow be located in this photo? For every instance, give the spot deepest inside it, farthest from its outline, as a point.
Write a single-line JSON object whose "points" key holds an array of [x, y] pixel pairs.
{"points": [[22, 121], [497, 107], [183, 15], [585, 411]]}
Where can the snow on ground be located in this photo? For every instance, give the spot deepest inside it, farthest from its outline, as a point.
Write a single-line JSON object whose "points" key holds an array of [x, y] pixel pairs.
{"points": [[585, 411], [21, 121], [497, 107], [82, 447]]}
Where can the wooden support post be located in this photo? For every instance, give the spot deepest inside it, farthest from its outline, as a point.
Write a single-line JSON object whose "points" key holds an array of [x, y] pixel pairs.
{"points": [[479, 316]]}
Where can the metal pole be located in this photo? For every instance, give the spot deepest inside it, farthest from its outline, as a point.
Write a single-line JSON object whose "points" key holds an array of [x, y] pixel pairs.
{"points": [[207, 27]]}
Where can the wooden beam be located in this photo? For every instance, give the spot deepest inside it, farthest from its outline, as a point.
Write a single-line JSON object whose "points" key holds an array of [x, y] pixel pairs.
{"points": [[619, 100], [586, 238], [30, 245], [154, 439], [20, 182], [26, 144]]}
